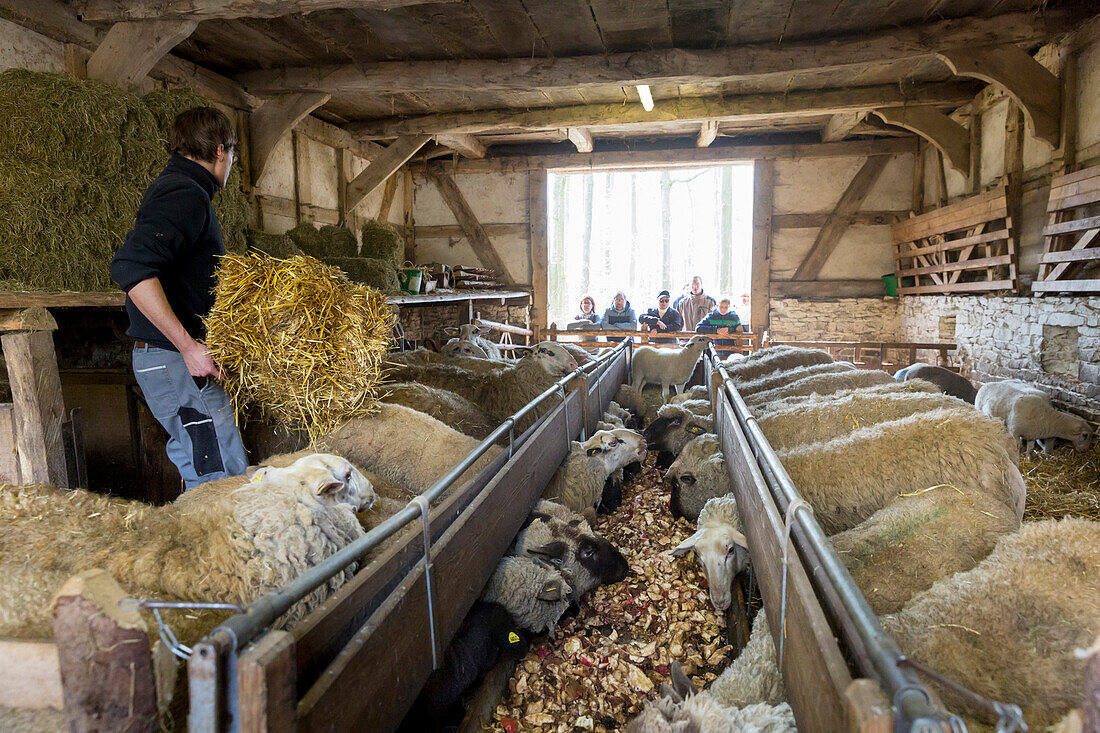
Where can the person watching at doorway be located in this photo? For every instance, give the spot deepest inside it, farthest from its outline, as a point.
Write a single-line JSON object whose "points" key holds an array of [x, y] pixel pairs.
{"points": [[696, 305], [587, 311], [661, 318], [722, 321], [620, 316], [166, 267]]}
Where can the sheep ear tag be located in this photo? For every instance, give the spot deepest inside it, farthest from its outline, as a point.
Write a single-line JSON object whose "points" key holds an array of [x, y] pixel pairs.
{"points": [[513, 637], [552, 591], [595, 451]]}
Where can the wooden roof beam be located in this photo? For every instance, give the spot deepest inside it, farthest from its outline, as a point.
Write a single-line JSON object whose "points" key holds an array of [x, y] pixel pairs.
{"points": [[129, 51], [952, 139], [466, 145], [581, 138], [707, 134], [665, 66], [841, 125], [1036, 90], [275, 118], [749, 106], [198, 10], [381, 167]]}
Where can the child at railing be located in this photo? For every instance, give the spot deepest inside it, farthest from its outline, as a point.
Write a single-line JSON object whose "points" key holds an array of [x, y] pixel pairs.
{"points": [[722, 321]]}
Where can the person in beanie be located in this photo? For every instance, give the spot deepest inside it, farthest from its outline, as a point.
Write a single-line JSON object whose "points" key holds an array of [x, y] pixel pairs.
{"points": [[166, 267], [662, 318], [722, 321], [696, 304]]}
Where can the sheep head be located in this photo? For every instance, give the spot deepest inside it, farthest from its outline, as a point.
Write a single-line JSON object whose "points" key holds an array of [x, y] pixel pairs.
{"points": [[462, 347], [697, 475], [330, 478], [552, 358], [535, 593], [674, 427], [698, 343], [615, 448], [720, 549], [1079, 432], [682, 709]]}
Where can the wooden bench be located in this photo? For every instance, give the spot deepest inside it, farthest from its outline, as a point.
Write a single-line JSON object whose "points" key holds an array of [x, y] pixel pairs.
{"points": [[1070, 252], [967, 247]]}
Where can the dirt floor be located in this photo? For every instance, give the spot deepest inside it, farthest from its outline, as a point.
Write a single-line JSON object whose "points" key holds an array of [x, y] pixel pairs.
{"points": [[596, 671]]}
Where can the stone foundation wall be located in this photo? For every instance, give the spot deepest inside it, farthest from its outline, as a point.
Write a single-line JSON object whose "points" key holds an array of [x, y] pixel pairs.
{"points": [[1053, 342], [428, 321], [843, 319]]}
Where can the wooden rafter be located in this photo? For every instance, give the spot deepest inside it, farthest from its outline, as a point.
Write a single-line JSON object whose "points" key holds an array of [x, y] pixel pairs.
{"points": [[119, 10], [382, 166], [467, 145], [475, 233], [829, 236], [129, 51], [951, 138], [841, 125], [701, 109], [1018, 74], [666, 66], [581, 139], [708, 132], [274, 119]]}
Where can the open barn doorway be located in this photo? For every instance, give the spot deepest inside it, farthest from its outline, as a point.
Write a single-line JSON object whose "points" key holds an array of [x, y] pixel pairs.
{"points": [[643, 231]]}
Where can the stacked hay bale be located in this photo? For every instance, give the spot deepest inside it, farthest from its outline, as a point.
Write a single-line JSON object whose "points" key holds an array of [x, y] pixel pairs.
{"points": [[337, 246], [75, 158]]}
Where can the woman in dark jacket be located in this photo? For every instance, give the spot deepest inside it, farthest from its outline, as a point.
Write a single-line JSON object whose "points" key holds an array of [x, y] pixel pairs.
{"points": [[662, 318], [587, 311]]}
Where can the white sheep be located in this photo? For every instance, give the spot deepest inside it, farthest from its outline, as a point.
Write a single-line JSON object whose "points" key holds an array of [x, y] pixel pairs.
{"points": [[667, 367], [642, 402], [579, 482], [1030, 416], [475, 335], [463, 348], [773, 359], [821, 384], [786, 376], [698, 392], [447, 407], [719, 546], [910, 387]]}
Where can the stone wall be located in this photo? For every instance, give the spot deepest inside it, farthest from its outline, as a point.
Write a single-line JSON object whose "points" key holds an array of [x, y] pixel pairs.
{"points": [[1053, 342], [428, 321], [843, 319]]}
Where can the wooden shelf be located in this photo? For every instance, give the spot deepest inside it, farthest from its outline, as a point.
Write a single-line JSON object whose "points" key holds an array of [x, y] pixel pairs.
{"points": [[457, 296]]}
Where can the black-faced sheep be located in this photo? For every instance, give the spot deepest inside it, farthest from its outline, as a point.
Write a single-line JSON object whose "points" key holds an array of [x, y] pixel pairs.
{"points": [[773, 359], [786, 376], [447, 407], [674, 427], [948, 382], [720, 548], [1030, 416], [821, 384], [667, 367], [578, 483]]}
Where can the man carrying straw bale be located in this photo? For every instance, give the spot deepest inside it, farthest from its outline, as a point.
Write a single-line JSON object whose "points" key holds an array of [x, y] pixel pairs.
{"points": [[166, 266]]}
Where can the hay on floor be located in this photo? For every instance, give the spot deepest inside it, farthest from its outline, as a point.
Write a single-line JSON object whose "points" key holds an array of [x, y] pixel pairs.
{"points": [[1062, 484]]}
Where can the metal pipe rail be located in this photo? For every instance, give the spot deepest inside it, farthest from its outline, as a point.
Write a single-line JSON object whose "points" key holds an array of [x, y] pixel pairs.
{"points": [[875, 652]]}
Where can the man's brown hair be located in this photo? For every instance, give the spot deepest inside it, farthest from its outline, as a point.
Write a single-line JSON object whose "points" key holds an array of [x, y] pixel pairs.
{"points": [[197, 133]]}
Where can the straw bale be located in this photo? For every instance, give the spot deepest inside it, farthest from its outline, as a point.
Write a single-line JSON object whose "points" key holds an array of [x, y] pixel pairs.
{"points": [[377, 273], [299, 340], [325, 243], [381, 240]]}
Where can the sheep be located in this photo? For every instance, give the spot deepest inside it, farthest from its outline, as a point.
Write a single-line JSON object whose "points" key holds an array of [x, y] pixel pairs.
{"points": [[674, 427], [578, 483], [1030, 416], [586, 557], [475, 335], [820, 384], [463, 348], [786, 376], [773, 359], [535, 594], [234, 548], [697, 475], [447, 407], [642, 402], [949, 382], [910, 387], [629, 419], [1008, 628], [720, 548], [682, 708], [825, 417], [667, 367], [698, 392], [406, 447]]}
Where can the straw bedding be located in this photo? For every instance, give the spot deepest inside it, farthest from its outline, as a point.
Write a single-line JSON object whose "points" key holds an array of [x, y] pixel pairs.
{"points": [[1064, 483], [299, 340]]}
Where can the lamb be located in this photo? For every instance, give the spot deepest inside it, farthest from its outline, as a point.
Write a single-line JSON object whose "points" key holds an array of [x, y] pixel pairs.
{"points": [[698, 392], [642, 402], [1030, 416], [821, 384], [721, 550], [667, 367], [628, 419], [233, 549], [773, 359], [579, 482], [786, 376], [910, 387], [674, 427], [949, 382], [697, 475], [447, 407]]}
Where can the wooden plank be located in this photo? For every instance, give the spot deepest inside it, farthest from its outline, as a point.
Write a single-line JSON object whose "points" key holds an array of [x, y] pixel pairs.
{"points": [[408, 192], [454, 231], [962, 215], [760, 274], [948, 136], [275, 118], [953, 244], [868, 709], [827, 288], [1084, 181], [267, 694], [34, 673], [388, 194], [382, 166], [1076, 225], [819, 219], [1068, 286], [1070, 202], [1082, 243], [467, 145], [985, 286], [118, 10], [104, 658], [9, 455], [206, 686], [39, 406], [850, 201], [962, 265], [475, 233], [351, 694], [538, 242], [35, 318], [280, 206], [1072, 255], [129, 51], [813, 667]]}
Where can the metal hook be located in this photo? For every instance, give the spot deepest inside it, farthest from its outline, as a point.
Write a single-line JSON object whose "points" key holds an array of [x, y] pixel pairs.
{"points": [[171, 642]]}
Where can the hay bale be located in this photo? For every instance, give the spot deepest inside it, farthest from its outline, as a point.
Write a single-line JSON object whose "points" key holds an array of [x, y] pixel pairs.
{"points": [[377, 273], [299, 340], [382, 241], [325, 243], [275, 245]]}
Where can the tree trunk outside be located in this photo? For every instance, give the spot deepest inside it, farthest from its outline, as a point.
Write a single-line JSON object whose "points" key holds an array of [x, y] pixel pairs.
{"points": [[557, 250], [633, 226], [666, 226], [586, 250], [725, 252]]}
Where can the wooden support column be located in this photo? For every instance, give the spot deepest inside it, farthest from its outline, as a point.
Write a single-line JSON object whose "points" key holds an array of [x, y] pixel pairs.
{"points": [[269, 123], [388, 194], [107, 673], [941, 178], [1065, 158], [918, 178], [382, 166], [471, 227], [581, 139], [129, 51], [841, 125], [707, 134], [974, 177], [949, 136], [27, 341], [539, 244], [829, 236], [341, 185], [762, 209], [9, 455], [410, 221], [466, 145]]}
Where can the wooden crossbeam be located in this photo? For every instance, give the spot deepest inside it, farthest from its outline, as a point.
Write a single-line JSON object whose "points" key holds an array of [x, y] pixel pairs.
{"points": [[131, 50], [707, 133], [581, 139], [817, 220], [382, 166], [664, 66], [850, 201], [275, 118], [841, 125], [475, 233], [951, 138], [118, 10], [466, 145]]}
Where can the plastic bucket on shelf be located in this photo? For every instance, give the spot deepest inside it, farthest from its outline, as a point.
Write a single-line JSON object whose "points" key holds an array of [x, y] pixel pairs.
{"points": [[891, 283]]}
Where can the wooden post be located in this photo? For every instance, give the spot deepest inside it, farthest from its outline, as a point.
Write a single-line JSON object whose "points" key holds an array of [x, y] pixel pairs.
{"points": [[266, 678], [763, 197], [410, 223], [341, 187], [540, 283], [36, 395], [107, 674], [1066, 156], [975, 173], [918, 177], [9, 455], [868, 709]]}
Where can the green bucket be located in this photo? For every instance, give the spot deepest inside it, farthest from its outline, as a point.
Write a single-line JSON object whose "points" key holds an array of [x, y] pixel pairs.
{"points": [[891, 283], [410, 279]]}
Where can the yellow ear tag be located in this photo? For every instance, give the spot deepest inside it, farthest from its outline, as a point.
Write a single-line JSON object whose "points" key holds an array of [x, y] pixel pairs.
{"points": [[256, 477], [513, 637], [535, 519]]}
